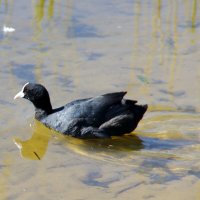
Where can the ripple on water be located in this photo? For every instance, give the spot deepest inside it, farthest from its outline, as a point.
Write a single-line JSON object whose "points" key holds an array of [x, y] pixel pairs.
{"points": [[165, 146], [164, 142]]}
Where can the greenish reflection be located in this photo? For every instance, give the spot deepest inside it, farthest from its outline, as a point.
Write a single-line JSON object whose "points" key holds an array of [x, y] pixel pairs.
{"points": [[40, 9], [163, 47], [177, 123], [51, 9], [5, 2], [35, 147], [194, 13]]}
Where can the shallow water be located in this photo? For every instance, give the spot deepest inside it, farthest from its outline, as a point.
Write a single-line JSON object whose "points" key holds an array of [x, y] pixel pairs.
{"points": [[81, 49]]}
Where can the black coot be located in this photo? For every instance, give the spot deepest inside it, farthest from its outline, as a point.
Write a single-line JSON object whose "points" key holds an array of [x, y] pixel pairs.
{"points": [[98, 117]]}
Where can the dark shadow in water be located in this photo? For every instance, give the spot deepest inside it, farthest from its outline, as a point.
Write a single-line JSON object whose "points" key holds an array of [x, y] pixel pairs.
{"points": [[81, 30], [94, 56], [164, 144], [174, 94], [24, 72], [194, 172], [92, 180], [190, 24], [67, 82], [159, 158], [152, 167]]}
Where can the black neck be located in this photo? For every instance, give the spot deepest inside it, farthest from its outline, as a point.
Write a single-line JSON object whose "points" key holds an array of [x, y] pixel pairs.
{"points": [[42, 111], [40, 114]]}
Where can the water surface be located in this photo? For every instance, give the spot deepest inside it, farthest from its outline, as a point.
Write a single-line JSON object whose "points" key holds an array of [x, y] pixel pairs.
{"points": [[79, 49]]}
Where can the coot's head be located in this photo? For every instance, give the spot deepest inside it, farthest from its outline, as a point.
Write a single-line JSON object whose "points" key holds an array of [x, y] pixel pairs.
{"points": [[38, 95]]}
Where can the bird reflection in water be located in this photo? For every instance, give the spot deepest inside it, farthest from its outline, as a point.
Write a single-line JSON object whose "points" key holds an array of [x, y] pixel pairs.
{"points": [[36, 147]]}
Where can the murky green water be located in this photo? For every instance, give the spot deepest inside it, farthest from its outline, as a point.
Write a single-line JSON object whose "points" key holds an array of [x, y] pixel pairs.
{"points": [[79, 49]]}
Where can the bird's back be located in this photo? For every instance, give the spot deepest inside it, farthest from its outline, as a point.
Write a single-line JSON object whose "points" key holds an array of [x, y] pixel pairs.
{"points": [[92, 110]]}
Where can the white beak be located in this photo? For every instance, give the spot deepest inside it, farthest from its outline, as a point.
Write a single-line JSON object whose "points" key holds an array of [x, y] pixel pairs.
{"points": [[19, 95]]}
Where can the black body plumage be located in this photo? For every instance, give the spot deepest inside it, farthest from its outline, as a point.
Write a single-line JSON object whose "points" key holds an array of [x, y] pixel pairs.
{"points": [[98, 117]]}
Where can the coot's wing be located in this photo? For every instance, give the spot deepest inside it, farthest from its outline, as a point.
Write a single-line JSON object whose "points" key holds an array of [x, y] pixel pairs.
{"points": [[93, 110], [110, 98], [105, 101], [98, 106], [93, 107]]}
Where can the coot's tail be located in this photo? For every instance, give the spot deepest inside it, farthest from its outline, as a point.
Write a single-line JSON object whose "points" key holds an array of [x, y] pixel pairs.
{"points": [[139, 110], [122, 119]]}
